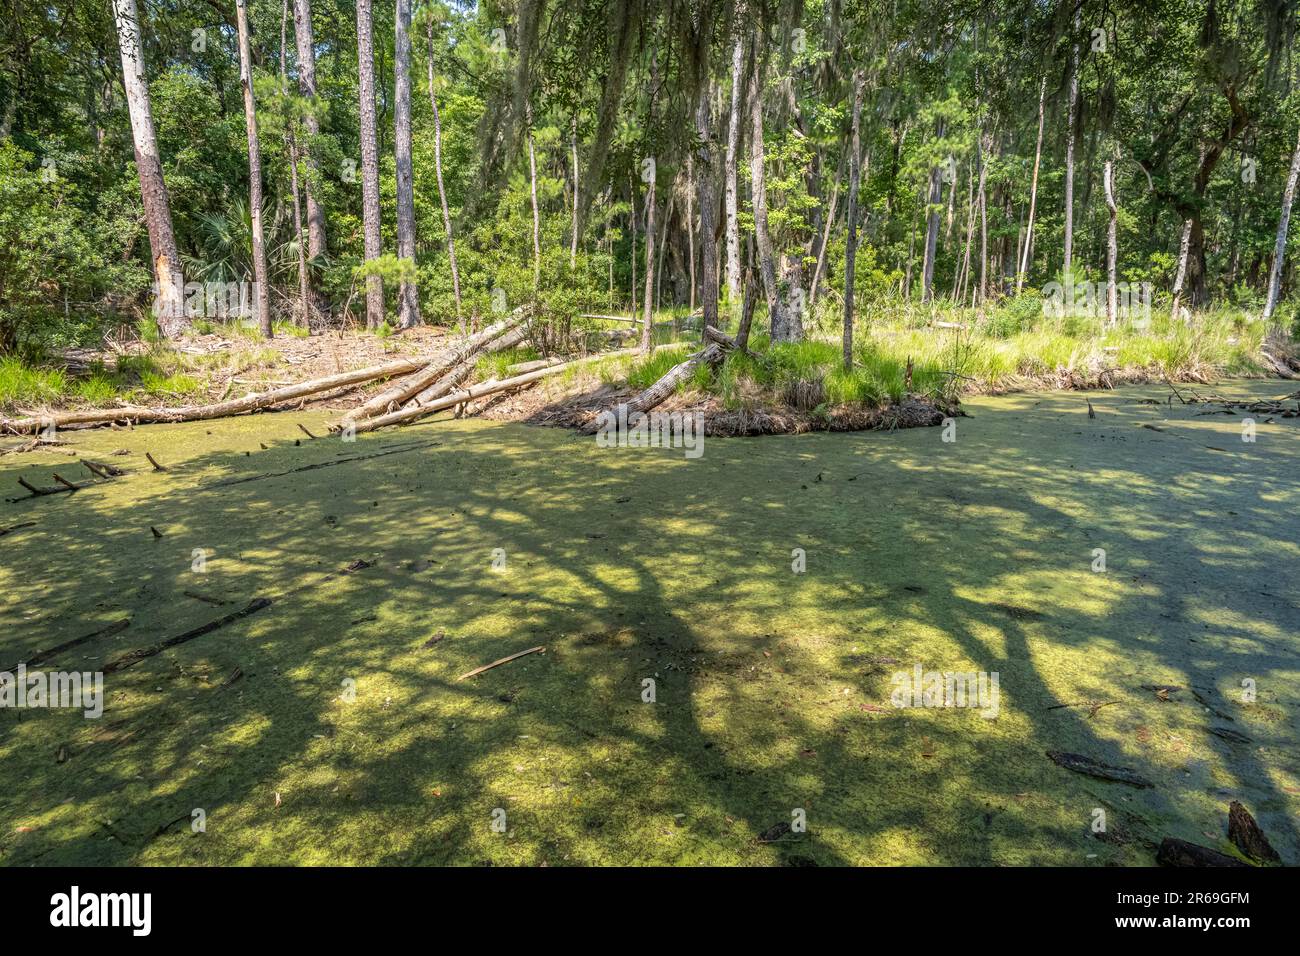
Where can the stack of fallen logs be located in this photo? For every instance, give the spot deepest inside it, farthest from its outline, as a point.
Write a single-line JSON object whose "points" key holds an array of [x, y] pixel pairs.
{"points": [[418, 388]]}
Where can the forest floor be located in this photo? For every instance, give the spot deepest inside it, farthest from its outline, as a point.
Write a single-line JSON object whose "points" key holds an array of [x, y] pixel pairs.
{"points": [[331, 725]]}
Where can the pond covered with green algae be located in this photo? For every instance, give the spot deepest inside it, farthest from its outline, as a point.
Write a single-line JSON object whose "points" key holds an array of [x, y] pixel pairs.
{"points": [[329, 728]]}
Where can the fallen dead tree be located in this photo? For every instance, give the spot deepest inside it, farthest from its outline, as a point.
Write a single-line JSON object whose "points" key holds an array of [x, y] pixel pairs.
{"points": [[519, 368], [414, 411], [713, 353], [429, 375], [248, 403], [461, 372]]}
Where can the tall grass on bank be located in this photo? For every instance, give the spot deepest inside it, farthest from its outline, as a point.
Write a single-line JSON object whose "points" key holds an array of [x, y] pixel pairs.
{"points": [[952, 350]]}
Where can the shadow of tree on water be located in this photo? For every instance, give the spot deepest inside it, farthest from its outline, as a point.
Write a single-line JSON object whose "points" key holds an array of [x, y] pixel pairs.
{"points": [[772, 689]]}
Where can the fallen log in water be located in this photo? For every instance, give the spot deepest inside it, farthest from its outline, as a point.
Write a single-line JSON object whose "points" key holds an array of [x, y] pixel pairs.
{"points": [[248, 403], [1176, 852], [1095, 768]]}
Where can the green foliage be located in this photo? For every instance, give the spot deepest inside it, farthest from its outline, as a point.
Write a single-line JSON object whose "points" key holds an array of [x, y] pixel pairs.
{"points": [[50, 258]]}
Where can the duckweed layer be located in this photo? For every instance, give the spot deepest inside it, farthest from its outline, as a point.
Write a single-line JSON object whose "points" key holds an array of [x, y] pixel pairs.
{"points": [[330, 727]]}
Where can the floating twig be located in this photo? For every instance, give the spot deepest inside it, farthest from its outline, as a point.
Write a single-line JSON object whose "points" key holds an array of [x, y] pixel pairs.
{"points": [[505, 660]]}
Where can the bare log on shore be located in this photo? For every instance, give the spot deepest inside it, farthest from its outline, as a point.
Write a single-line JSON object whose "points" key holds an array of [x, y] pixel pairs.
{"points": [[430, 373], [462, 371], [248, 403]]}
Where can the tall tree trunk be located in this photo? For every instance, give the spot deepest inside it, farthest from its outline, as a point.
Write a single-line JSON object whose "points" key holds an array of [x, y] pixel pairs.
{"points": [[647, 303], [1069, 157], [690, 227], [261, 293], [369, 163], [302, 30], [962, 273], [1279, 248], [1112, 250], [664, 245], [442, 192], [625, 20], [705, 170], [733, 147], [984, 145], [537, 217], [1033, 192], [304, 293], [408, 300], [911, 256], [826, 232], [1197, 286], [851, 242], [932, 210], [1183, 246], [573, 148], [778, 320], [165, 258], [631, 185]]}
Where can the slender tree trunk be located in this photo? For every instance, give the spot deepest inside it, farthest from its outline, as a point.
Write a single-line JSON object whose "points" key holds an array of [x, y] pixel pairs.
{"points": [[304, 292], [1240, 120], [1069, 158], [778, 321], [1112, 250], [573, 148], [408, 299], [690, 227], [537, 218], [733, 148], [648, 303], [1183, 247], [826, 234], [933, 206], [985, 144], [165, 258], [261, 292], [442, 192], [1033, 192], [705, 170], [662, 244], [631, 185], [371, 224], [851, 242], [648, 300], [750, 298], [959, 279], [302, 29], [1279, 248], [933, 196], [911, 255]]}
